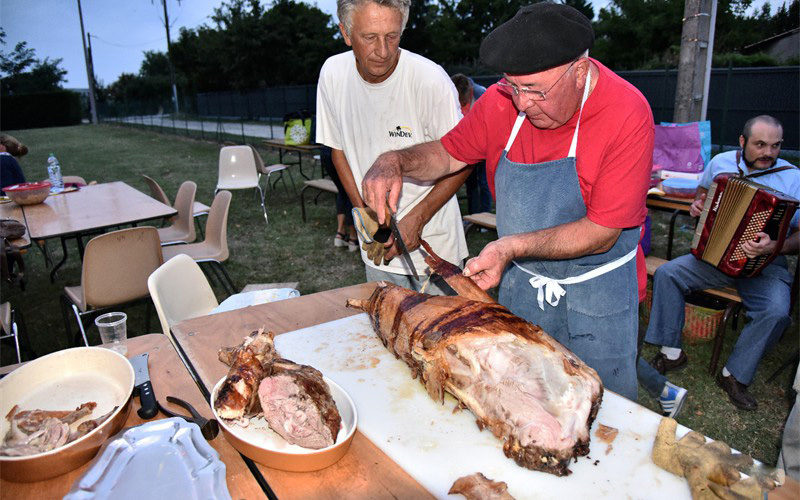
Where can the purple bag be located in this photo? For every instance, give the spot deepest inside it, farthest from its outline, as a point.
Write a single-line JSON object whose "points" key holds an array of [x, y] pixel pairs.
{"points": [[678, 148]]}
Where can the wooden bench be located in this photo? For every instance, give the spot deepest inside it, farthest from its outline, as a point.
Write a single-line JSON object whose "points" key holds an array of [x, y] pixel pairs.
{"points": [[729, 295], [483, 219], [321, 185]]}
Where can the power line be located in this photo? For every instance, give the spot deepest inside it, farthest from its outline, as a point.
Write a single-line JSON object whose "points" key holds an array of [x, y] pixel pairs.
{"points": [[129, 45]]}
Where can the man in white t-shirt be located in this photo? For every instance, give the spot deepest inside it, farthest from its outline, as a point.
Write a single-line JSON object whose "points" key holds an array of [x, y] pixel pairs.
{"points": [[377, 98]]}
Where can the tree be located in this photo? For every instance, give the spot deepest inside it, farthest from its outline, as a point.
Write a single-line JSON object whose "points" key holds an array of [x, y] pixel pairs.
{"points": [[23, 73], [250, 47]]}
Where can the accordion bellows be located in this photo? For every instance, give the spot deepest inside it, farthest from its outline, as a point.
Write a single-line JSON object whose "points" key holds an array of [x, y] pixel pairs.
{"points": [[735, 210]]}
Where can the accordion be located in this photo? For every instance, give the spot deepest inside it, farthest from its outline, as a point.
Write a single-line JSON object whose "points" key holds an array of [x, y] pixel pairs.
{"points": [[734, 211]]}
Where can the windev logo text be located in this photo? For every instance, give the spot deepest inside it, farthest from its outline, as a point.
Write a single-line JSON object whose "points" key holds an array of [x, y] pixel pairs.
{"points": [[401, 132]]}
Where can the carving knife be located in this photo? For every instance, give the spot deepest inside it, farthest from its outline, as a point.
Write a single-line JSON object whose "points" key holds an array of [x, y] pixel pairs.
{"points": [[142, 384], [400, 242]]}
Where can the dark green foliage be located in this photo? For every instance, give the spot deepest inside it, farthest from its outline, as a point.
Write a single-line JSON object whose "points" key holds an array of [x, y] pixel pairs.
{"points": [[23, 73], [44, 109]]}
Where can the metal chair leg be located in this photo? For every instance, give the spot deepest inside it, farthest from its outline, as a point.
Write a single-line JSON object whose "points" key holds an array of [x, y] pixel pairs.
{"points": [[80, 324], [263, 207], [227, 276], [720, 336]]}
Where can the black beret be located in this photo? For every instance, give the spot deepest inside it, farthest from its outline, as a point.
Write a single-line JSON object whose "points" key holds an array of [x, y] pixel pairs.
{"points": [[539, 37]]}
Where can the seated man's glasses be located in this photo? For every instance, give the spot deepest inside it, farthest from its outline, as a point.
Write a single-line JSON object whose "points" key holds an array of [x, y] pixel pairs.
{"points": [[536, 95]]}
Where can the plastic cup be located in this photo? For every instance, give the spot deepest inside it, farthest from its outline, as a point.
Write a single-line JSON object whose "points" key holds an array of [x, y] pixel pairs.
{"points": [[113, 331]]}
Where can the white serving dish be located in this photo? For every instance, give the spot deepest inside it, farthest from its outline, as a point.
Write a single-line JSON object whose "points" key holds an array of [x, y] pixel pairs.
{"points": [[166, 458], [259, 443]]}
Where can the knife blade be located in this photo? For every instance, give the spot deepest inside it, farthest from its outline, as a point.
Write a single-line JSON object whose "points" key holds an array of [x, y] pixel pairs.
{"points": [[401, 243], [142, 384]]}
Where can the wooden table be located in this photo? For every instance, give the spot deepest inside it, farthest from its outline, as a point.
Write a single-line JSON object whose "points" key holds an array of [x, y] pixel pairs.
{"points": [[677, 206], [282, 148], [91, 208], [365, 471], [169, 378]]}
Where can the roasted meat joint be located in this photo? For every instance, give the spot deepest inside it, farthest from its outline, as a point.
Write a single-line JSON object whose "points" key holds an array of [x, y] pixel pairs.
{"points": [[520, 383]]}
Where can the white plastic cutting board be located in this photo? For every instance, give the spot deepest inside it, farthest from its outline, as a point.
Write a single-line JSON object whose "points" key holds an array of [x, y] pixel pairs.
{"points": [[436, 446]]}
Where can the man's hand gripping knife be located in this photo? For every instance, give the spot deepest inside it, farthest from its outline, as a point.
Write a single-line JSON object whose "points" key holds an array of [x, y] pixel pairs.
{"points": [[373, 235]]}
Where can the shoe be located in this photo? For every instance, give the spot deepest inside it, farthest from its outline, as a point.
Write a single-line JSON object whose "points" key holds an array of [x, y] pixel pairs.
{"points": [[663, 364], [352, 243], [737, 392], [340, 240], [672, 403]]}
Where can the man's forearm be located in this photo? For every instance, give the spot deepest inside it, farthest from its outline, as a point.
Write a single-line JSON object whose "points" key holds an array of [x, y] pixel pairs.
{"points": [[427, 161], [346, 177], [566, 241]]}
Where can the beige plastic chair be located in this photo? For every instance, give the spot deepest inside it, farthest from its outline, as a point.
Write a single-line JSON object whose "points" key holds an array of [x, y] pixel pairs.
{"points": [[214, 248], [74, 179], [116, 266], [269, 170], [157, 193], [237, 170], [182, 228], [180, 291], [12, 326]]}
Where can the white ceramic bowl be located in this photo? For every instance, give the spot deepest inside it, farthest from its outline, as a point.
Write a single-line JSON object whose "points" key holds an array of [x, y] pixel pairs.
{"points": [[64, 380], [260, 444]]}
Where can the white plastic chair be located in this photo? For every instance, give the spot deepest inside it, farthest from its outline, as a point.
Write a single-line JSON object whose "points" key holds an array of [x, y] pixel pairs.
{"points": [[237, 170], [180, 291], [268, 170]]}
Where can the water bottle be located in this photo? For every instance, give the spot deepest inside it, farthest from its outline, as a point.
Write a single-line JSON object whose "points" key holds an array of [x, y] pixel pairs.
{"points": [[54, 173]]}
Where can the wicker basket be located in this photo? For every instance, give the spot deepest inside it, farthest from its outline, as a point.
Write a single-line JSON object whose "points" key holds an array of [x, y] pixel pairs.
{"points": [[702, 317]]}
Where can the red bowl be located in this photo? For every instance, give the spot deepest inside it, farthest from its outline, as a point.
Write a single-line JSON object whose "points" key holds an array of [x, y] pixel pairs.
{"points": [[28, 193]]}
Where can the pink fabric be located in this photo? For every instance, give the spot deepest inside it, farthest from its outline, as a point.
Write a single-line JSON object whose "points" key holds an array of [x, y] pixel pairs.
{"points": [[678, 148], [615, 146]]}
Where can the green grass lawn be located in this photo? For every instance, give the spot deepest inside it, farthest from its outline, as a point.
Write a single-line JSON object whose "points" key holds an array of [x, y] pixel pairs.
{"points": [[289, 250]]}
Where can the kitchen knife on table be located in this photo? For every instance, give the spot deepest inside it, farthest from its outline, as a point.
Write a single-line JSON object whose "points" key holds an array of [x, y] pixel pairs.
{"points": [[142, 384]]}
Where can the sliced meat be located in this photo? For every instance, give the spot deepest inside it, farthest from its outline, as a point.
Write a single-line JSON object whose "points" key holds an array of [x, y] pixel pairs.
{"points": [[238, 396], [479, 487], [31, 420], [520, 383], [298, 405]]}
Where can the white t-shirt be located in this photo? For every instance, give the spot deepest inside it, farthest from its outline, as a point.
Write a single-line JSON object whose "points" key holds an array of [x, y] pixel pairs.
{"points": [[417, 103]]}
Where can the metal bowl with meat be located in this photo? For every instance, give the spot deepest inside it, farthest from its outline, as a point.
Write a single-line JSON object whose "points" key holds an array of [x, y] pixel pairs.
{"points": [[59, 409], [261, 444]]}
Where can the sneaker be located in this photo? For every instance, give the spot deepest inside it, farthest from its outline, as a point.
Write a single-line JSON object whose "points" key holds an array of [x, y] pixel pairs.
{"points": [[672, 403], [737, 392], [340, 240], [663, 364]]}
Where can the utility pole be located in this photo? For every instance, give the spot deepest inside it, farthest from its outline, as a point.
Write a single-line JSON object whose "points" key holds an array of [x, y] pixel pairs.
{"points": [[169, 57], [89, 70], [694, 66]]}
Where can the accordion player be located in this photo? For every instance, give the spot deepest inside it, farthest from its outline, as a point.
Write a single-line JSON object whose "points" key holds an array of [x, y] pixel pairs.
{"points": [[736, 208]]}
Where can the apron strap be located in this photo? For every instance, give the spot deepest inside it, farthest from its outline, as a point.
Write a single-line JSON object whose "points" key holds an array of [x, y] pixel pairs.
{"points": [[551, 289], [513, 135], [574, 145]]}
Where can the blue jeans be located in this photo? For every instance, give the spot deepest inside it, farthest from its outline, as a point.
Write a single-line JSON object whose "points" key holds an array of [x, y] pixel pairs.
{"points": [[766, 299]]}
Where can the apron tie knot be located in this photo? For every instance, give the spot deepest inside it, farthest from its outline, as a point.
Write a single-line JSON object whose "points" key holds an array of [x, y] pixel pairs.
{"points": [[548, 289]]}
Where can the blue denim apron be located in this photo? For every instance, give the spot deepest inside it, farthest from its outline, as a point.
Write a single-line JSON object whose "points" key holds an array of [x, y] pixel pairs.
{"points": [[590, 303]]}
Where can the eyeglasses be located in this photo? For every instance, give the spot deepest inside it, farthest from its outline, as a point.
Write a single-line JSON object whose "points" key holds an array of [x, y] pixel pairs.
{"points": [[536, 95]]}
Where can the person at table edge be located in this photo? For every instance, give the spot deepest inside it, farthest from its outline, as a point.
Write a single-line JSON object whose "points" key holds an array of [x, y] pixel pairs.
{"points": [[379, 97], [569, 185], [765, 297]]}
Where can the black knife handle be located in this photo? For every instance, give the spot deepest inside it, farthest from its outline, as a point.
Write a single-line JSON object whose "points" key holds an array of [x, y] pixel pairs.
{"points": [[147, 397]]}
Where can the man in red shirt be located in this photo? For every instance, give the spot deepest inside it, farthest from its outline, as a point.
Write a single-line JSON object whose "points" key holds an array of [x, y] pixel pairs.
{"points": [[568, 148]]}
